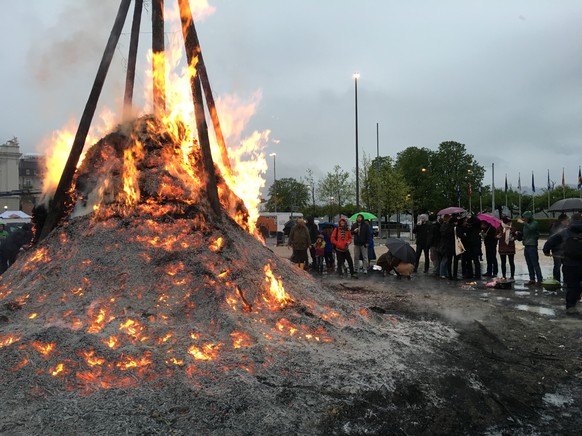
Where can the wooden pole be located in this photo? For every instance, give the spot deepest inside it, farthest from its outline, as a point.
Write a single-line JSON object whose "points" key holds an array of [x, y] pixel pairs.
{"points": [[131, 60], [57, 205], [203, 73], [192, 51], [158, 60]]}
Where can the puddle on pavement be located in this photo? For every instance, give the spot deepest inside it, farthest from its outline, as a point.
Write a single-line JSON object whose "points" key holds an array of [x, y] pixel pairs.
{"points": [[521, 293], [536, 309]]}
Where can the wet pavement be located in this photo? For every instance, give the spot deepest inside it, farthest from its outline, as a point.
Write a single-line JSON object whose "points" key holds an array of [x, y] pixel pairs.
{"points": [[522, 298]]}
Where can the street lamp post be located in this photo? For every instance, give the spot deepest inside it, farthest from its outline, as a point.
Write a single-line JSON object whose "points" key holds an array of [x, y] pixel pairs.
{"points": [[274, 155], [356, 77]]}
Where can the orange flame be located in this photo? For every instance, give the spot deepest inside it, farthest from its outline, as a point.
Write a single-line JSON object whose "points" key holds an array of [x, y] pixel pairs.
{"points": [[276, 289]]}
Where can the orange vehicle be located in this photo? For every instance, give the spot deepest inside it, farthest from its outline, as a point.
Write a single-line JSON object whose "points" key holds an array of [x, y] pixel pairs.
{"points": [[269, 223]]}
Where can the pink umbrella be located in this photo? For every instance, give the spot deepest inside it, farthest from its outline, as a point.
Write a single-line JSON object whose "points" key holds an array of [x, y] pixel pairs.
{"points": [[451, 210], [490, 219]]}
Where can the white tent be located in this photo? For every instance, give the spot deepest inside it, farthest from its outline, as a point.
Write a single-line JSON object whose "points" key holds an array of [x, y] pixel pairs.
{"points": [[15, 215]]}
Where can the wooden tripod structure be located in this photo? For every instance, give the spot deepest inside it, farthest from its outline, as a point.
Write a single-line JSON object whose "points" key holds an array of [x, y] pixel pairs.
{"points": [[198, 83]]}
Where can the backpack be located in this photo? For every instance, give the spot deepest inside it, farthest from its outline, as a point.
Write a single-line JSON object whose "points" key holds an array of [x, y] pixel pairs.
{"points": [[572, 246]]}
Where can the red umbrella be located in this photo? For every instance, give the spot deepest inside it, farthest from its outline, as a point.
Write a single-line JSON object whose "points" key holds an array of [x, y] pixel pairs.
{"points": [[490, 219]]}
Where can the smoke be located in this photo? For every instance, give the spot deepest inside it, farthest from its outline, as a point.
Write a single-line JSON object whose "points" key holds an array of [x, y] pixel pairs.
{"points": [[74, 43]]}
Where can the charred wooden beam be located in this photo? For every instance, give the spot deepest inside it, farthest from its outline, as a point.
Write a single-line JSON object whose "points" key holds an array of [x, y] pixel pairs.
{"points": [[158, 58], [57, 205], [201, 68], [192, 51], [131, 60]]}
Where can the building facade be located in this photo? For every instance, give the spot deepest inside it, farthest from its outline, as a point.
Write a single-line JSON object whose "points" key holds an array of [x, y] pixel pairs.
{"points": [[20, 178]]}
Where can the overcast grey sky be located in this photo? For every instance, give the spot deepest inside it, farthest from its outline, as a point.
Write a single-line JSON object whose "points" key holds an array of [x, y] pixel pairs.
{"points": [[503, 77]]}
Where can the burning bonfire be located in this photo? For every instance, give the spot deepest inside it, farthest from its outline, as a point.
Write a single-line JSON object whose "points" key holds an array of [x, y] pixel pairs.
{"points": [[151, 307], [144, 296]]}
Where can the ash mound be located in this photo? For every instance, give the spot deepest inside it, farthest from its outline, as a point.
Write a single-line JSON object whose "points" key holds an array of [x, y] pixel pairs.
{"points": [[150, 315]]}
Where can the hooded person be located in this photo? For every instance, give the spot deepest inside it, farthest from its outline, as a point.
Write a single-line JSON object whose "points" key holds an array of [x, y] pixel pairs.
{"points": [[3, 232], [341, 238], [569, 240], [531, 235], [319, 247], [299, 241]]}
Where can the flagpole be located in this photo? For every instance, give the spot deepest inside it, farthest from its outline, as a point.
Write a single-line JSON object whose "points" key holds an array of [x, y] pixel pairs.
{"points": [[533, 195], [506, 205], [548, 188], [563, 184], [492, 187], [519, 190]]}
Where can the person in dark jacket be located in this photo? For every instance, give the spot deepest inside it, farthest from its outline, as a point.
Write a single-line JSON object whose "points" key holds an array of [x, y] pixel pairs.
{"points": [[489, 234], [435, 235], [299, 241], [313, 233], [11, 246], [361, 237], [572, 262], [531, 235], [422, 230], [556, 227], [447, 247]]}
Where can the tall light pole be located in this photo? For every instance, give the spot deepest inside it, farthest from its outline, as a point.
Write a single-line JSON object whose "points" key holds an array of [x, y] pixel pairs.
{"points": [[274, 155], [356, 77]]}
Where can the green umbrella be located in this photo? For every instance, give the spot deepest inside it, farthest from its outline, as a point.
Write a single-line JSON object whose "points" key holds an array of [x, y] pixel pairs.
{"points": [[366, 215]]}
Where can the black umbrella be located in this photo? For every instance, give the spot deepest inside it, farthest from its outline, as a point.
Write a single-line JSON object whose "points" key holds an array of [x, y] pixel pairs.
{"points": [[567, 205], [401, 250]]}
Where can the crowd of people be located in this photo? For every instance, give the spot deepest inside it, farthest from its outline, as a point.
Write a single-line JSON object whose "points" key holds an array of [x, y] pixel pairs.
{"points": [[455, 246], [330, 246]]}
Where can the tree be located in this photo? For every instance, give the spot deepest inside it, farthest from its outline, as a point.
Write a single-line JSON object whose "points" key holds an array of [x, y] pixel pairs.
{"points": [[415, 165], [453, 172], [292, 195], [384, 187], [337, 188]]}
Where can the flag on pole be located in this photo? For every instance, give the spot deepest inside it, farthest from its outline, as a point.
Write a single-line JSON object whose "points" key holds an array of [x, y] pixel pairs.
{"points": [[519, 182], [506, 183], [480, 191], [563, 181], [549, 184], [458, 193], [533, 185], [470, 190], [579, 179]]}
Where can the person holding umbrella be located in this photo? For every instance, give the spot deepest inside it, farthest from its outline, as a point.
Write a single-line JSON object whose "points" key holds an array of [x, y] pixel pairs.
{"points": [[506, 234], [556, 227], [570, 240]]}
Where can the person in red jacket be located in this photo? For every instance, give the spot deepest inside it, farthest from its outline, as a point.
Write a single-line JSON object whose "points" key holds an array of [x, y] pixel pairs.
{"points": [[341, 238]]}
